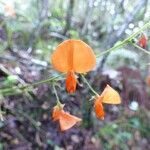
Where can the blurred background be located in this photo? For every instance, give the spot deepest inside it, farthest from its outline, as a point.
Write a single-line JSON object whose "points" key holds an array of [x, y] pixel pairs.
{"points": [[29, 32]]}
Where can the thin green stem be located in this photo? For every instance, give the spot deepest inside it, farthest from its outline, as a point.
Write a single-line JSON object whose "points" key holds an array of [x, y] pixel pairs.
{"points": [[125, 41], [147, 25], [121, 44], [90, 87], [57, 98], [7, 90], [140, 48], [116, 46]]}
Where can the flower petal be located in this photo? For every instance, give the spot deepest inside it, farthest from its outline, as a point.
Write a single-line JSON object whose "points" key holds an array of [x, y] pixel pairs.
{"points": [[61, 57], [73, 55], [57, 111], [83, 57], [110, 96], [71, 82], [67, 121], [98, 107]]}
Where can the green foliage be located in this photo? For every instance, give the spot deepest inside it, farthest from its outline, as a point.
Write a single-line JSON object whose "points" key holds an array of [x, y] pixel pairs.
{"points": [[120, 133]]}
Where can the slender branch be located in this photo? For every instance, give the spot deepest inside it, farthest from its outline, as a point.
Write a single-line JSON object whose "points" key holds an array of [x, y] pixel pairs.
{"points": [[121, 44], [140, 48], [125, 41], [57, 98], [29, 85], [115, 47], [113, 38], [90, 87]]}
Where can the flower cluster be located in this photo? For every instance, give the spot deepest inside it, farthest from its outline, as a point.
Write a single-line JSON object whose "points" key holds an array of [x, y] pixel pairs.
{"points": [[72, 57]]}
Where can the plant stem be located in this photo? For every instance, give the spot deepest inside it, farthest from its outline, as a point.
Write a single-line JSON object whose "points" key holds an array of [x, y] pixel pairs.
{"points": [[125, 41], [29, 85], [140, 48], [90, 87], [57, 98], [119, 45]]}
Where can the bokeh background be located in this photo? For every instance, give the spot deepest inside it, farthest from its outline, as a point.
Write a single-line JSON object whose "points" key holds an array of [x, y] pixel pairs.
{"points": [[29, 32]]}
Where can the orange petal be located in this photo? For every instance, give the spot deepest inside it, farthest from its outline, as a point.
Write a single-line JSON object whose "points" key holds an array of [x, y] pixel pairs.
{"points": [[57, 111], [110, 96], [83, 57], [73, 55], [98, 107], [71, 82], [67, 121]]}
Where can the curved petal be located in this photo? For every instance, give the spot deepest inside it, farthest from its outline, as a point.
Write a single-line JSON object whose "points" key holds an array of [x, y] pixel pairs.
{"points": [[98, 107], [110, 96], [83, 57], [62, 57], [67, 121], [57, 111], [71, 82], [73, 55]]}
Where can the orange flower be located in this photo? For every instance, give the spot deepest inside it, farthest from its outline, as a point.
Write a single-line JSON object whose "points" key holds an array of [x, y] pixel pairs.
{"points": [[65, 119], [73, 56], [142, 41], [98, 107], [109, 96]]}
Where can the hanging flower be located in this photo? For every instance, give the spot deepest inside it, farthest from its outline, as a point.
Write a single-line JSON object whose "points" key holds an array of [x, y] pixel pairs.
{"points": [[57, 111], [142, 41], [98, 107], [108, 96], [73, 56], [65, 119]]}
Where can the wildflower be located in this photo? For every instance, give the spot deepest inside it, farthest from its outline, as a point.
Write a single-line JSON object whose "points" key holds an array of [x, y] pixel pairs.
{"points": [[73, 56], [71, 82], [142, 41], [109, 96], [65, 119]]}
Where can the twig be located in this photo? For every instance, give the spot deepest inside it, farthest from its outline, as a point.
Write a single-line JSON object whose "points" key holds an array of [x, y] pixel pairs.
{"points": [[120, 32], [90, 87], [121, 44], [140, 48], [125, 41], [29, 85]]}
